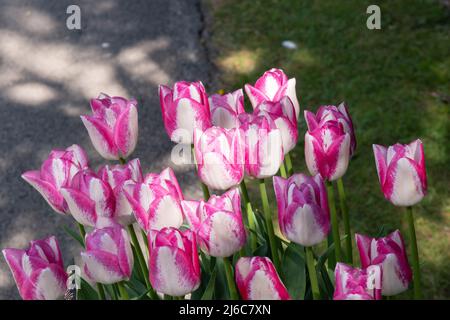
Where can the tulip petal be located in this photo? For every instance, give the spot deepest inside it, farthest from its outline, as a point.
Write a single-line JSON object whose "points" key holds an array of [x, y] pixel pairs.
{"points": [[80, 206], [101, 137], [126, 131]]}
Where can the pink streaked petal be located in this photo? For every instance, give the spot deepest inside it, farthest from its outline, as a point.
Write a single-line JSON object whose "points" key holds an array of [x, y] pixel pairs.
{"points": [[190, 212], [103, 267], [80, 206], [126, 131], [165, 212], [101, 138], [255, 96]]}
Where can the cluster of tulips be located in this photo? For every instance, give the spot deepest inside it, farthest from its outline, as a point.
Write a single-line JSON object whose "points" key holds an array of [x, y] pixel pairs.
{"points": [[142, 239]]}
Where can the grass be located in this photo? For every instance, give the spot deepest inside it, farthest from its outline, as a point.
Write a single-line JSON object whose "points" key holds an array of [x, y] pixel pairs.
{"points": [[395, 81]]}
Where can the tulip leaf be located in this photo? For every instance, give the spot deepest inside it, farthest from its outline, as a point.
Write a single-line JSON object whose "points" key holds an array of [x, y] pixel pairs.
{"points": [[143, 296], [86, 292], [208, 294], [294, 271], [221, 287], [74, 235]]}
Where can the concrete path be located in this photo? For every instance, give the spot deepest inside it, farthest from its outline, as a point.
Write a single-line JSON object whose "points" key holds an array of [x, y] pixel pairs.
{"points": [[47, 76]]}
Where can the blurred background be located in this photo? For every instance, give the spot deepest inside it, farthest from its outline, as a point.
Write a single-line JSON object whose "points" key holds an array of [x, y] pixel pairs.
{"points": [[396, 82]]}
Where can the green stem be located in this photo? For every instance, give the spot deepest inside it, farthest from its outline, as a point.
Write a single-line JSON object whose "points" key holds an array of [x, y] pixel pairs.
{"points": [[122, 160], [250, 216], [414, 253], [230, 279], [312, 273], [101, 292], [344, 210], [334, 222], [141, 261], [269, 224], [288, 160], [123, 291], [283, 171]]}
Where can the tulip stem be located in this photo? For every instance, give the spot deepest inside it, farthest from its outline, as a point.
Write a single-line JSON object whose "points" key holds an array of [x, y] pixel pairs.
{"points": [[250, 216], [312, 273], [123, 291], [334, 222], [344, 210], [122, 160], [101, 292], [414, 253], [269, 224], [141, 261], [230, 279], [283, 170], [288, 161]]}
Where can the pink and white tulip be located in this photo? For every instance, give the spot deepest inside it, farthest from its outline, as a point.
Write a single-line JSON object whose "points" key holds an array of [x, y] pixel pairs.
{"points": [[118, 176], [219, 154], [390, 254], [108, 257], [257, 279], [327, 150], [217, 223], [89, 198], [184, 109], [283, 114], [39, 270], [332, 113], [402, 173], [57, 172], [263, 145], [303, 212], [156, 201], [113, 126], [174, 264], [226, 108], [273, 86], [357, 284]]}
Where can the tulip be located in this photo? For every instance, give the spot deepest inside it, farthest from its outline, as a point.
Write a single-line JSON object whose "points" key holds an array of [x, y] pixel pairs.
{"points": [[156, 201], [327, 150], [108, 257], [273, 85], [173, 263], [220, 157], [57, 172], [39, 270], [257, 279], [388, 252], [89, 198], [303, 212], [332, 113], [263, 146], [226, 108], [357, 284], [118, 176], [183, 109], [217, 223], [402, 173], [283, 115]]}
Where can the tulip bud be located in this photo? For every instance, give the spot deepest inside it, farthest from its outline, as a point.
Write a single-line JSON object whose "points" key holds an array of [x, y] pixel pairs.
{"points": [[89, 198], [263, 146], [226, 108], [118, 176], [283, 115], [113, 127], [357, 284], [156, 201], [332, 113], [57, 172], [327, 150], [390, 254], [39, 270], [401, 171], [257, 279], [174, 265], [108, 257], [273, 85], [303, 212], [217, 223], [183, 109], [220, 157]]}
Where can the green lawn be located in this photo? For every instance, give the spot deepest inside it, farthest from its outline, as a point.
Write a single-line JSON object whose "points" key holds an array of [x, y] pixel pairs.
{"points": [[395, 81]]}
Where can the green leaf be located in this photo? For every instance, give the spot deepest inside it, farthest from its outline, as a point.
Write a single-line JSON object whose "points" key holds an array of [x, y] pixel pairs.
{"points": [[74, 235], [221, 287], [294, 271], [143, 296], [86, 292], [208, 294]]}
